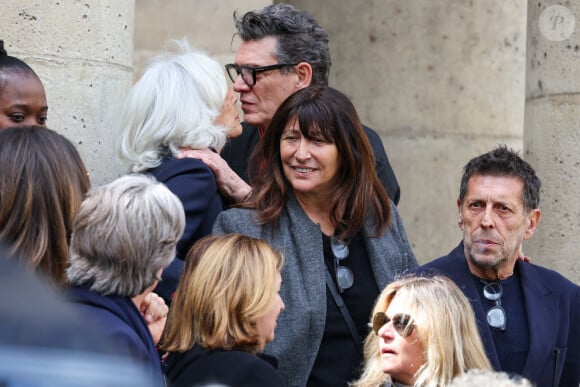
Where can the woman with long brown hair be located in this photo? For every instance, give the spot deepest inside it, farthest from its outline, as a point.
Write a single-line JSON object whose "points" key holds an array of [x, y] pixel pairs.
{"points": [[43, 181], [316, 197]]}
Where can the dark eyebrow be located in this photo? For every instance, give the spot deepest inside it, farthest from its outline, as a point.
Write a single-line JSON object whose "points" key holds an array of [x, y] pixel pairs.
{"points": [[252, 65], [24, 107]]}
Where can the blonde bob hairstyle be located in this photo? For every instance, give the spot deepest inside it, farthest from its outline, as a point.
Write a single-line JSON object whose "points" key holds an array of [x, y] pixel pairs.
{"points": [[446, 328], [228, 283]]}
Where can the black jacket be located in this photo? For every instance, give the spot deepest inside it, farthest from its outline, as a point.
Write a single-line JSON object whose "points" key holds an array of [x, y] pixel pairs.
{"points": [[194, 184], [553, 313], [201, 367]]}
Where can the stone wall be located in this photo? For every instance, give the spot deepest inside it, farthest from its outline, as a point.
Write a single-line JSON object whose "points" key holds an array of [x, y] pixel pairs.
{"points": [[441, 81], [552, 121], [83, 53], [207, 25]]}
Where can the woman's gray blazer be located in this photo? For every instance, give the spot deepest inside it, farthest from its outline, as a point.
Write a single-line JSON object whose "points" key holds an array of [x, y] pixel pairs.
{"points": [[301, 324]]}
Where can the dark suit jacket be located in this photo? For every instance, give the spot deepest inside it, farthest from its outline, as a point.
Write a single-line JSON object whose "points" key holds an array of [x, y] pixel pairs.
{"points": [[238, 150], [119, 318], [42, 318], [201, 367], [194, 184], [553, 314]]}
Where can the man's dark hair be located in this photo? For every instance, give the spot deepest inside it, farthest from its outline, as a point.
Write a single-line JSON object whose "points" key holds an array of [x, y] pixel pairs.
{"points": [[505, 162], [300, 37]]}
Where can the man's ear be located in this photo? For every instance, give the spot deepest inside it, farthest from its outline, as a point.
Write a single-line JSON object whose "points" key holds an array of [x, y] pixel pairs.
{"points": [[304, 72], [459, 214], [533, 218]]}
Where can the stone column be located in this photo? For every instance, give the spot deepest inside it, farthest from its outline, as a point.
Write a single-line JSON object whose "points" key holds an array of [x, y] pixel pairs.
{"points": [[552, 131], [83, 52], [441, 81]]}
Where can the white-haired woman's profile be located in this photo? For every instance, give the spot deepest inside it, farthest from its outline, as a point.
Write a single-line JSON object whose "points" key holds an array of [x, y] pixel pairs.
{"points": [[181, 103]]}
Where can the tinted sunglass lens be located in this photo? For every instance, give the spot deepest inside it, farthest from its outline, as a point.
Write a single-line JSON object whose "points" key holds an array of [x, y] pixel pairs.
{"points": [[496, 317], [379, 319], [339, 248], [492, 291], [401, 320], [344, 277], [402, 324]]}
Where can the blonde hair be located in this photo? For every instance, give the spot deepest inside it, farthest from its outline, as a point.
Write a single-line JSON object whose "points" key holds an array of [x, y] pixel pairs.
{"points": [[229, 282], [445, 326]]}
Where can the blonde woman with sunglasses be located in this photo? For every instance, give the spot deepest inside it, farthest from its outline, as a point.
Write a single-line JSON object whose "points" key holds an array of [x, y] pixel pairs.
{"points": [[423, 334]]}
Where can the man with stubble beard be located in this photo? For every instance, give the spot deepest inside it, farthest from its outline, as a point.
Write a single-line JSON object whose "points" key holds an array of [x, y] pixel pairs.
{"points": [[528, 316]]}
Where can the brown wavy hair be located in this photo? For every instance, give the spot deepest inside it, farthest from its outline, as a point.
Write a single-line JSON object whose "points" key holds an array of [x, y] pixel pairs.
{"points": [[322, 113]]}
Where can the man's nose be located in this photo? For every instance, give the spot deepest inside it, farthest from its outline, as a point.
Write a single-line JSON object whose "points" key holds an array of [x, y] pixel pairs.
{"points": [[487, 219], [240, 85]]}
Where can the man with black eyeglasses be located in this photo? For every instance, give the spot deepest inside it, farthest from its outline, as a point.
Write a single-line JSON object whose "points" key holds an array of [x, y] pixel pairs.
{"points": [[528, 316], [282, 50]]}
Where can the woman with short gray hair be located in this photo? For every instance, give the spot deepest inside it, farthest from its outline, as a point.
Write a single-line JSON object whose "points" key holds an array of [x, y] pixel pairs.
{"points": [[124, 235]]}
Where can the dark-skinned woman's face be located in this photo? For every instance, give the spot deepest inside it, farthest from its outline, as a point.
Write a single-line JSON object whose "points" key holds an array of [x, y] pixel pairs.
{"points": [[22, 100]]}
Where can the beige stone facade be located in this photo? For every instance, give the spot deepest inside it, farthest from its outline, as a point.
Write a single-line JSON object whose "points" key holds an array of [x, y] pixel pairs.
{"points": [[441, 82], [82, 51], [207, 25], [552, 135]]}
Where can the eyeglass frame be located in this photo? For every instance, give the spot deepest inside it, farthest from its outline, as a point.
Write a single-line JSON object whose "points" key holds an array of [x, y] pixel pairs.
{"points": [[494, 296], [253, 71], [403, 323], [341, 251]]}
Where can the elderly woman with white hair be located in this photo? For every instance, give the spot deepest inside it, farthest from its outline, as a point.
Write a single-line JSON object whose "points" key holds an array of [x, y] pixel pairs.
{"points": [[180, 104], [124, 235]]}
